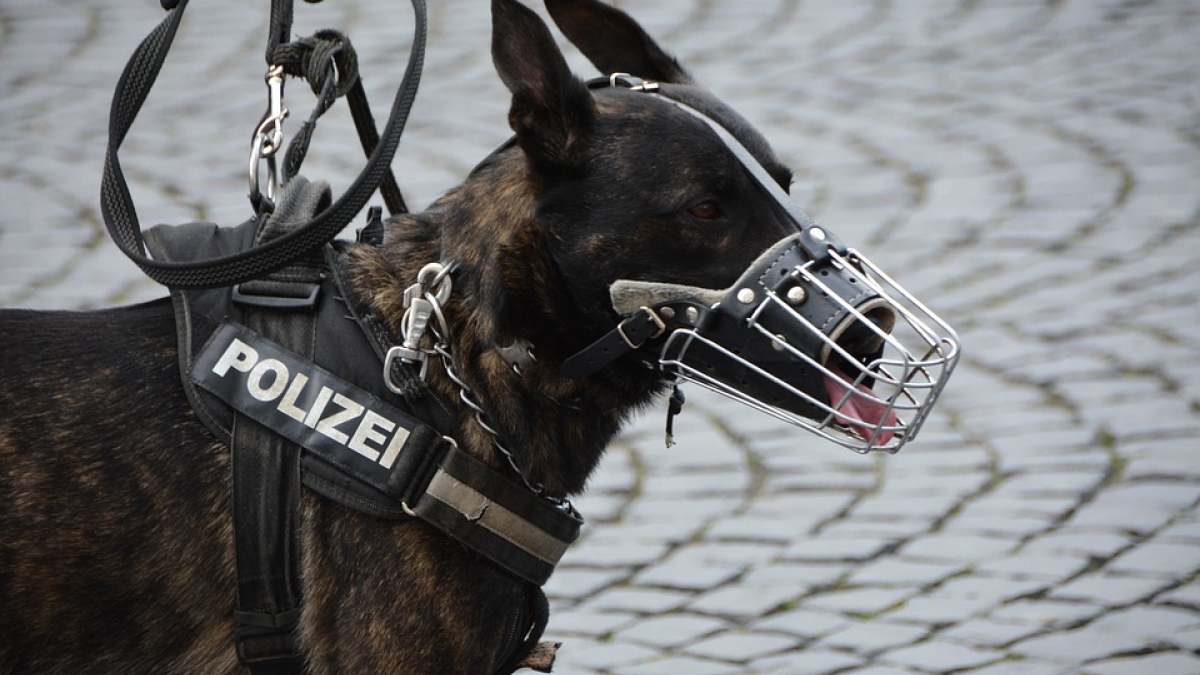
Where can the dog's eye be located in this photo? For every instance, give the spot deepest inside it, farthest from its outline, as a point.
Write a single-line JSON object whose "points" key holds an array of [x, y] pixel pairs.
{"points": [[706, 210]]}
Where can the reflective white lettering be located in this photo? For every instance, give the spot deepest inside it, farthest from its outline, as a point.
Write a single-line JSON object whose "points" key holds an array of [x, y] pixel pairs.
{"points": [[239, 355], [288, 405], [318, 409], [350, 410], [393, 448], [254, 383], [367, 431]]}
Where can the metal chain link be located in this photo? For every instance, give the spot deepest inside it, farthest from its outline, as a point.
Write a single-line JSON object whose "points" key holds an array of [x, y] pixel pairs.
{"points": [[441, 347]]}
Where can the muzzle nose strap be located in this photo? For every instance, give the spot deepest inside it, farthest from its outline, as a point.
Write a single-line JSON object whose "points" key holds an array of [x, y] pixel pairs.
{"points": [[631, 334]]}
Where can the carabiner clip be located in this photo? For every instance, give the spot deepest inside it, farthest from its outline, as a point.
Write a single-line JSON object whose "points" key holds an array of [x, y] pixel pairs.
{"points": [[268, 137]]}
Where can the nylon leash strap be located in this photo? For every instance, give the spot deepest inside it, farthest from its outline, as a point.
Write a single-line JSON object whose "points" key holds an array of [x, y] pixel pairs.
{"points": [[116, 202]]}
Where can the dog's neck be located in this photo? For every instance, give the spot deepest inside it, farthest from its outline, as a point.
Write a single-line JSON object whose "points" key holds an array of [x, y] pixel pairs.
{"points": [[508, 295]]}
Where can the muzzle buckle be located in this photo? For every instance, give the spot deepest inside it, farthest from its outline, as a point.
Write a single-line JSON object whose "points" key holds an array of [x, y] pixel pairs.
{"points": [[655, 320]]}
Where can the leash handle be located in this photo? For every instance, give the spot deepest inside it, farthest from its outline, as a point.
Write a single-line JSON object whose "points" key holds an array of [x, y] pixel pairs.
{"points": [[116, 203]]}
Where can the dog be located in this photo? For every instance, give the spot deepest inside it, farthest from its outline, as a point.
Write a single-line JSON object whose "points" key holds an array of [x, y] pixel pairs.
{"points": [[117, 553]]}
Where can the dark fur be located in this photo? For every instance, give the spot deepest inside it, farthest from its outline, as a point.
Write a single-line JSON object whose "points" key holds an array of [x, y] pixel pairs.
{"points": [[116, 555]]}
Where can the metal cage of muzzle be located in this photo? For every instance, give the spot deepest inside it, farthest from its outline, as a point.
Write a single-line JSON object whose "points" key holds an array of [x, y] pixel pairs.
{"points": [[915, 359], [862, 366]]}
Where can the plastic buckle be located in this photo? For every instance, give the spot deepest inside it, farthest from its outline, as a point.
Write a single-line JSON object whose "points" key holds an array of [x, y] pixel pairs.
{"points": [[266, 642], [251, 299]]}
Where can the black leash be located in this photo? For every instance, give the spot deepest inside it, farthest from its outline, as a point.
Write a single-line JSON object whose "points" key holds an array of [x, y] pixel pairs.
{"points": [[134, 86]]}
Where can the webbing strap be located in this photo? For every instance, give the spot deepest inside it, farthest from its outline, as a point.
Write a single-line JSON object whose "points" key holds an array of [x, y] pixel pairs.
{"points": [[117, 207], [490, 514], [266, 503]]}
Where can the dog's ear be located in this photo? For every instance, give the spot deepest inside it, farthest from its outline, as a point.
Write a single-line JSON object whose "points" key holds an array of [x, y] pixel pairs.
{"points": [[552, 110], [614, 42]]}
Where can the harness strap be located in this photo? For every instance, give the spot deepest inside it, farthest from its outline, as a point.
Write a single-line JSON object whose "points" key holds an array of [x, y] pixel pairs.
{"points": [[266, 486], [524, 651], [360, 450]]}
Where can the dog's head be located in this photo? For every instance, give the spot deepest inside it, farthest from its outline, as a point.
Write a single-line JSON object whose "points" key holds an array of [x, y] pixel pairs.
{"points": [[663, 208]]}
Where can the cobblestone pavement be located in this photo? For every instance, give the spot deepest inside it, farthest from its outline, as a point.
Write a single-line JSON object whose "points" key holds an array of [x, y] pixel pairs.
{"points": [[1028, 167]]}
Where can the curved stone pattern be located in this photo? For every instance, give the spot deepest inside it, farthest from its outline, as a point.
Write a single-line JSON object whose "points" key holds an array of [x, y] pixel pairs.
{"points": [[1029, 168]]}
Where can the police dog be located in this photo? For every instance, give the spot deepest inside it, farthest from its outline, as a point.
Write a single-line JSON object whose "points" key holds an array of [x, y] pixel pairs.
{"points": [[117, 553]]}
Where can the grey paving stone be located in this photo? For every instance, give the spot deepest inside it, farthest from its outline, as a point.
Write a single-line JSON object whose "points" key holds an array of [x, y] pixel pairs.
{"points": [[874, 528], [1112, 589], [879, 670], [986, 632], [1159, 664], [898, 571], [1127, 630], [872, 636], [638, 531], [1187, 530], [730, 554], [602, 655], [671, 630], [636, 600], [744, 601], [1160, 459], [1187, 595], [804, 623], [1024, 667], [653, 508], [957, 548], [687, 577], [806, 662], [938, 610], [680, 664], [1071, 482], [1159, 558], [589, 624], [1040, 567], [598, 552], [836, 549], [696, 484], [1187, 639], [740, 647], [570, 583], [1047, 614], [1102, 544], [867, 600], [916, 507], [939, 657], [780, 479], [998, 590], [1137, 517], [761, 527], [1009, 526], [805, 576]]}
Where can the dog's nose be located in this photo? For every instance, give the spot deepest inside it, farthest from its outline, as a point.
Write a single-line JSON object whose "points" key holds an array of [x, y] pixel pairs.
{"points": [[861, 333]]}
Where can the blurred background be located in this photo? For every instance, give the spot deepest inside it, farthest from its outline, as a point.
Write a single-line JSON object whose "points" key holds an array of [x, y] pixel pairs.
{"points": [[1029, 168]]}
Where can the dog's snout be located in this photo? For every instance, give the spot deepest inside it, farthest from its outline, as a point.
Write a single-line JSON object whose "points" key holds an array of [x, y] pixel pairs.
{"points": [[862, 333]]}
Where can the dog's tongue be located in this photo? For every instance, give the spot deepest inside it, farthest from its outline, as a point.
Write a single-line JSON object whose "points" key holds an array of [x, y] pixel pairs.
{"points": [[861, 411]]}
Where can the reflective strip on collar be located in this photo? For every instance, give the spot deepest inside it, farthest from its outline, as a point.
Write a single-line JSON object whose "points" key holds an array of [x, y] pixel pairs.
{"points": [[494, 516], [485, 513]]}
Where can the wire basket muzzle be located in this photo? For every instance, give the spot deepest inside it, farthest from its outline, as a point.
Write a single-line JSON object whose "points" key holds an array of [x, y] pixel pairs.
{"points": [[833, 346]]}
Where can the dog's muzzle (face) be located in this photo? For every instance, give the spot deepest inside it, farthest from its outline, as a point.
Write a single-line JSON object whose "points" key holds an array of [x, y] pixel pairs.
{"points": [[829, 343], [812, 333]]}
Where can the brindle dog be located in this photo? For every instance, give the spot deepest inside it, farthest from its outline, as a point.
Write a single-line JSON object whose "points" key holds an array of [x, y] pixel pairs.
{"points": [[117, 548]]}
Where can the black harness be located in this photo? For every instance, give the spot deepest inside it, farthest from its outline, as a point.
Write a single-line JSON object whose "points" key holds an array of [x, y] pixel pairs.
{"points": [[283, 364], [288, 371]]}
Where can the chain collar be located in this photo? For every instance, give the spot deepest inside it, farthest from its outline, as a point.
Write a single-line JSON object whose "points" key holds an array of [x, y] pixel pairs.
{"points": [[423, 313]]}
